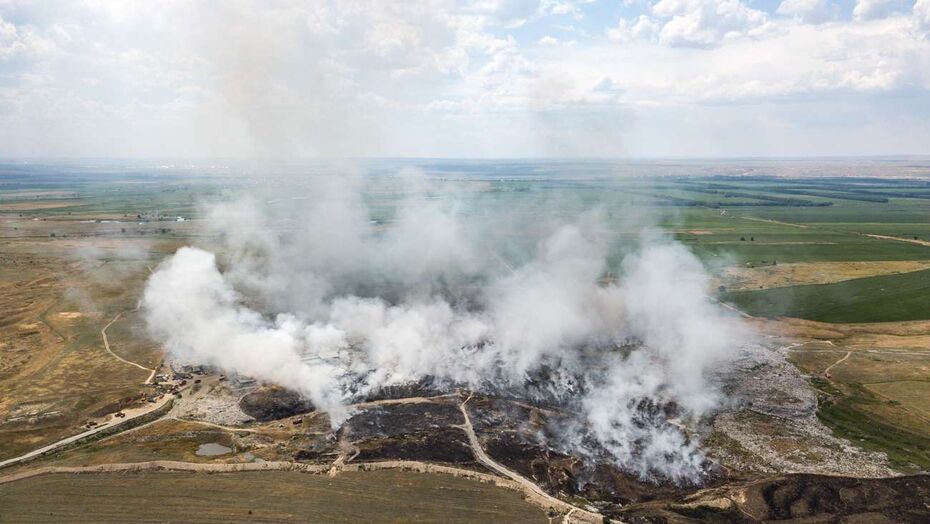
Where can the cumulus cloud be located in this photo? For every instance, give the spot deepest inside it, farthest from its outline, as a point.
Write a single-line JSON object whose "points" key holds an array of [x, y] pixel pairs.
{"points": [[922, 17], [693, 23], [21, 40], [707, 22], [808, 11], [644, 28], [875, 9], [316, 298]]}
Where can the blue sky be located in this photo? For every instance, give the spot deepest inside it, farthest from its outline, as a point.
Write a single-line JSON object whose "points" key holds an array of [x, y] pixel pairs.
{"points": [[480, 78]]}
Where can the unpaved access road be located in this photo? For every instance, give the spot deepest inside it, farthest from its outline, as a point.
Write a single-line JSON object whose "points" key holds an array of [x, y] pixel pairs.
{"points": [[131, 415], [900, 239], [106, 344], [534, 493], [826, 372]]}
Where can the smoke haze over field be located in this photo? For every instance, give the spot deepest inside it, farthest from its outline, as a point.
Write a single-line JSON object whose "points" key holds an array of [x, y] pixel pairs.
{"points": [[315, 296]]}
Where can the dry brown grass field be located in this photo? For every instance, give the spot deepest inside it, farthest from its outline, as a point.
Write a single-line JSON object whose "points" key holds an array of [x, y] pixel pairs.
{"points": [[56, 294], [799, 273]]}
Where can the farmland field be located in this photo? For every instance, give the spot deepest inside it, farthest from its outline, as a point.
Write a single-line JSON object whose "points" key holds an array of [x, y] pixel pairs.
{"points": [[377, 496], [887, 298]]}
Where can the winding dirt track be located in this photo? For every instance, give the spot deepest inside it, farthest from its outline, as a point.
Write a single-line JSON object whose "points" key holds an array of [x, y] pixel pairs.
{"points": [[826, 372], [131, 415], [533, 493], [106, 344], [174, 465]]}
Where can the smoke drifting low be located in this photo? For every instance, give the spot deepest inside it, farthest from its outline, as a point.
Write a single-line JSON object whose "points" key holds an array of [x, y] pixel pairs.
{"points": [[316, 296]]}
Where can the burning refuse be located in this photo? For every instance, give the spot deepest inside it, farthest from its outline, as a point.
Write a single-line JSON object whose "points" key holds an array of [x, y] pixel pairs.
{"points": [[338, 309]]}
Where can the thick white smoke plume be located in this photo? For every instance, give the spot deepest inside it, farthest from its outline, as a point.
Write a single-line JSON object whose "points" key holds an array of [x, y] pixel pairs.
{"points": [[316, 296]]}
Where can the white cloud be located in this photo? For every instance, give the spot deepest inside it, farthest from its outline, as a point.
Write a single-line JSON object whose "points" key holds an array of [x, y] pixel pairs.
{"points": [[693, 23], [563, 7], [875, 9], [548, 40], [808, 11], [922, 16], [21, 40], [797, 63], [551, 41], [644, 28]]}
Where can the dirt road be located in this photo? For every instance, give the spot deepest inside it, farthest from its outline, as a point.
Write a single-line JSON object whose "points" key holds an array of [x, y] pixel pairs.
{"points": [[106, 344], [826, 372], [900, 239], [131, 415], [534, 493]]}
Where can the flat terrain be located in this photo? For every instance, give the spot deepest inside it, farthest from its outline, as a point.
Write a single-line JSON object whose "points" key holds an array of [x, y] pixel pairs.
{"points": [[74, 254], [887, 298], [55, 373], [836, 268], [872, 383], [376, 496], [806, 273]]}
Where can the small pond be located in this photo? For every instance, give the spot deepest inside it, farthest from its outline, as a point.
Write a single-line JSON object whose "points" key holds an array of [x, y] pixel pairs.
{"points": [[212, 449]]}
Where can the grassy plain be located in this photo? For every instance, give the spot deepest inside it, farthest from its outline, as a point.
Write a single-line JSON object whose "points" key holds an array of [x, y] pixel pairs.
{"points": [[74, 255], [887, 298], [375, 496], [875, 393]]}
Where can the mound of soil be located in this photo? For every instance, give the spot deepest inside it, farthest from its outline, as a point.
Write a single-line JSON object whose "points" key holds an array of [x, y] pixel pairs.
{"points": [[902, 499], [273, 403]]}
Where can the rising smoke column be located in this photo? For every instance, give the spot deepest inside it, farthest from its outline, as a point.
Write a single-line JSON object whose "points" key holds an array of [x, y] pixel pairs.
{"points": [[335, 307]]}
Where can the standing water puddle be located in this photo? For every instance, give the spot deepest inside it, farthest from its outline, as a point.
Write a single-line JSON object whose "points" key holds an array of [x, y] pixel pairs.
{"points": [[212, 449]]}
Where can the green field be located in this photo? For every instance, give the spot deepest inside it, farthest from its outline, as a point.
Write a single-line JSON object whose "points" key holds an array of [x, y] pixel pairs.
{"points": [[873, 299], [850, 414]]}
